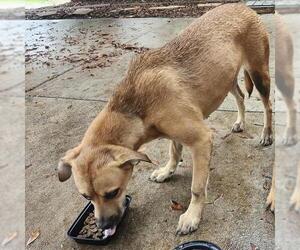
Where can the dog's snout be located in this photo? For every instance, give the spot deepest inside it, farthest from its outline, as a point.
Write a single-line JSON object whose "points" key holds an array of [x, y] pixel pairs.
{"points": [[106, 223]]}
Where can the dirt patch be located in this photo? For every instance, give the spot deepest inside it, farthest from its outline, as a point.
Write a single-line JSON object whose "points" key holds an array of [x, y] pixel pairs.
{"points": [[130, 9], [87, 57]]}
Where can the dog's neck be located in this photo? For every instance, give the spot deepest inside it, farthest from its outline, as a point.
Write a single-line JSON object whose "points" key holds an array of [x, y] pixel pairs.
{"points": [[114, 128]]}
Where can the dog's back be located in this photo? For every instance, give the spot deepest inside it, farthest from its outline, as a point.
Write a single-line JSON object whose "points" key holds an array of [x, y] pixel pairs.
{"points": [[202, 61]]}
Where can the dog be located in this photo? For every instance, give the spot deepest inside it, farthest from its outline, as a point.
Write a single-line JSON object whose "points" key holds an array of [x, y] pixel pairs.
{"points": [[285, 82], [168, 92]]}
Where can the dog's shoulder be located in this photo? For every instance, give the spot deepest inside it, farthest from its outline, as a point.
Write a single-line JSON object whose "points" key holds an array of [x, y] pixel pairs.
{"points": [[150, 77]]}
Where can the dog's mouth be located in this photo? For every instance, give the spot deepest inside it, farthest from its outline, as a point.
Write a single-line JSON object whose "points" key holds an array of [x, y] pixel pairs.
{"points": [[112, 230]]}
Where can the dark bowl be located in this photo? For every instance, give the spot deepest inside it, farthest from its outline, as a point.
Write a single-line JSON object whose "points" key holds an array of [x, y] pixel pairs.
{"points": [[197, 245], [79, 223]]}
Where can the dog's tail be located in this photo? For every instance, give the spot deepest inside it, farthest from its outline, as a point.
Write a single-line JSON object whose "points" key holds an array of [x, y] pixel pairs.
{"points": [[248, 83]]}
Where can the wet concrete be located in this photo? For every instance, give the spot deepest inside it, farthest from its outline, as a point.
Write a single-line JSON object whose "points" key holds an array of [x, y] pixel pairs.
{"points": [[12, 133], [62, 99]]}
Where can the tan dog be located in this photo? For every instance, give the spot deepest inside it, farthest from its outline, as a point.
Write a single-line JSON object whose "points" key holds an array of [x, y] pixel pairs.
{"points": [[168, 92]]}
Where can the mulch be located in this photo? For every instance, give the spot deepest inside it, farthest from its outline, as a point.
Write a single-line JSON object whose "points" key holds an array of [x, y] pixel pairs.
{"points": [[129, 9]]}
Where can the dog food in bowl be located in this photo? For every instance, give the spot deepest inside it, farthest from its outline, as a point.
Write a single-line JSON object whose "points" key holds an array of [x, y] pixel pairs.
{"points": [[85, 231], [90, 229]]}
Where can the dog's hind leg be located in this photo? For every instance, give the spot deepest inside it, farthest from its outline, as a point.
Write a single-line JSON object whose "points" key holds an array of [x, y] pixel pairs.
{"points": [[166, 172], [261, 81], [257, 73], [239, 125]]}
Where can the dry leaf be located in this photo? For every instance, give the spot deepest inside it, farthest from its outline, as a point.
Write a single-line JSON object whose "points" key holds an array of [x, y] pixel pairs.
{"points": [[225, 136], [253, 247], [176, 206], [154, 162], [9, 238], [214, 201], [214, 129], [33, 236], [245, 135]]}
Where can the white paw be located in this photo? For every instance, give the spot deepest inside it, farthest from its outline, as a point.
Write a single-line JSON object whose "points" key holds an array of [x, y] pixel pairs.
{"points": [[295, 200], [237, 127], [188, 223], [271, 200], [161, 174]]}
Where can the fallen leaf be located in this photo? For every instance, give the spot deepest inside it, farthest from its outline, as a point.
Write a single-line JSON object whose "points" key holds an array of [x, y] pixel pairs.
{"points": [[215, 200], [266, 185], [176, 206], [9, 238], [245, 135], [214, 129], [225, 136], [154, 162], [253, 247], [33, 236]]}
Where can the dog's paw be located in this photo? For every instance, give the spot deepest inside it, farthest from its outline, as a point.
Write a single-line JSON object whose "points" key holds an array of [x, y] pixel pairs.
{"points": [[271, 200], [290, 137], [188, 223], [161, 174], [266, 137], [237, 127], [295, 200]]}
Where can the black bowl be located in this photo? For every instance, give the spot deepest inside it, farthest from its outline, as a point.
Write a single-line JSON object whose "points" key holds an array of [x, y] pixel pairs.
{"points": [[197, 245], [79, 223]]}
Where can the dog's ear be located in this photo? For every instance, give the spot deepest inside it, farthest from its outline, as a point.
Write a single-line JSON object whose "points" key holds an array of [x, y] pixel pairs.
{"points": [[64, 171], [132, 157]]}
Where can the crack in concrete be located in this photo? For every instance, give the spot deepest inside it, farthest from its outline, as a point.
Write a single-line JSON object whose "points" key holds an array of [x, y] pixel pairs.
{"points": [[66, 98], [50, 79], [231, 110], [11, 87], [3, 166]]}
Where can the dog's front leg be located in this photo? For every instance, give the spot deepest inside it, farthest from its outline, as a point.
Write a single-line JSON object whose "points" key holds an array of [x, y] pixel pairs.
{"points": [[166, 172], [201, 151]]}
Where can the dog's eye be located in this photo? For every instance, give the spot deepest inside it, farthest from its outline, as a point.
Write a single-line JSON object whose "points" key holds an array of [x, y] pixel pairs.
{"points": [[112, 194], [86, 196]]}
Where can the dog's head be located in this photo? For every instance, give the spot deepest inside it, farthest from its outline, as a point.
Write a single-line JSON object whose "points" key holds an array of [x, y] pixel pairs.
{"points": [[101, 175]]}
